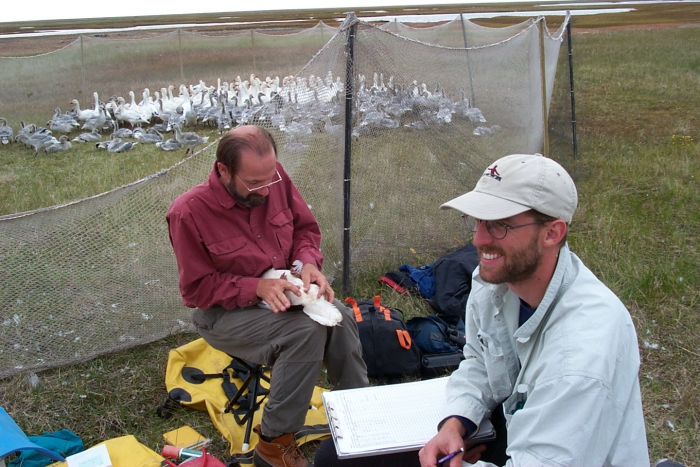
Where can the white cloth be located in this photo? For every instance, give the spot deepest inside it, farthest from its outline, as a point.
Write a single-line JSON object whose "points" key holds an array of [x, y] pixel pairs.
{"points": [[576, 400]]}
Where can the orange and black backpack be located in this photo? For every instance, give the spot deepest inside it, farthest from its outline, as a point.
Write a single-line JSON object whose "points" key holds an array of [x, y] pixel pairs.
{"points": [[387, 347]]}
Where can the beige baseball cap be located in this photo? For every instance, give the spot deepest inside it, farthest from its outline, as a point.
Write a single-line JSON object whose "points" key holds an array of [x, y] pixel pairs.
{"points": [[518, 183]]}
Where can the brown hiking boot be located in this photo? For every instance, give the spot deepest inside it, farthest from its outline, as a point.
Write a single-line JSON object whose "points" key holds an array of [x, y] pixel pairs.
{"points": [[280, 452]]}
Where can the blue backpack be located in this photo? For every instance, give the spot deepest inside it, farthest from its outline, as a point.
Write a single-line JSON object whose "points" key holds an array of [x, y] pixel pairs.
{"points": [[434, 335]]}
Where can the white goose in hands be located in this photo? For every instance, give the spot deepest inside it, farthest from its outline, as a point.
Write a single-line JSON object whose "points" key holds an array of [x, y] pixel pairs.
{"points": [[318, 309]]}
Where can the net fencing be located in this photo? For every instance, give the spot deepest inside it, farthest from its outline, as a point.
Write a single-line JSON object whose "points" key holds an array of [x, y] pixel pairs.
{"points": [[98, 275], [459, 32], [116, 64]]}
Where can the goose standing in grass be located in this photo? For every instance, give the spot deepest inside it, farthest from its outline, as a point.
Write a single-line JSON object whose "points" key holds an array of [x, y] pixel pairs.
{"points": [[189, 139], [83, 115], [59, 127], [6, 131], [40, 139], [333, 130], [24, 132], [144, 111], [210, 113], [96, 122], [61, 145], [124, 114], [120, 132], [177, 117], [461, 107], [62, 123], [190, 115], [223, 120]]}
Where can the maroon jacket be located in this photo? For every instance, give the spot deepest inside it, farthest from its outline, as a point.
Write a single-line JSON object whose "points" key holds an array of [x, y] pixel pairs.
{"points": [[223, 247]]}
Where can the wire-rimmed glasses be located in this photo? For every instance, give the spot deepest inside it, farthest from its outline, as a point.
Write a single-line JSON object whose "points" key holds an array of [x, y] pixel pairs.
{"points": [[252, 190]]}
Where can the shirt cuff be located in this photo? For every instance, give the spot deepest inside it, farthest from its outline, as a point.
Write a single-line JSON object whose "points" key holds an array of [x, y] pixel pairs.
{"points": [[468, 425], [247, 295], [307, 257]]}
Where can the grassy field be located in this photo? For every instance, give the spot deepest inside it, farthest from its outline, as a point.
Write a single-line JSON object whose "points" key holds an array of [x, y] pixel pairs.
{"points": [[636, 227]]}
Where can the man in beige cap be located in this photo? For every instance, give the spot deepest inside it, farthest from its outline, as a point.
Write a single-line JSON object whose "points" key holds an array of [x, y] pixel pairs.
{"points": [[551, 354], [547, 342]]}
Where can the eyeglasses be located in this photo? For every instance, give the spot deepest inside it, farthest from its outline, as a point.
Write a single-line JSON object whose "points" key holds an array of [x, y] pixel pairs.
{"points": [[497, 229], [279, 179]]}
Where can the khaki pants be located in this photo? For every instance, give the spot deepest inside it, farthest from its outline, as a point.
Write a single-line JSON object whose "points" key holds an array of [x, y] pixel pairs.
{"points": [[296, 346]]}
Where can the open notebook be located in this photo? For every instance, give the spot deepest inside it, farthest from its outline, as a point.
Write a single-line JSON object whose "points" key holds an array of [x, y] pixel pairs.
{"points": [[393, 418]]}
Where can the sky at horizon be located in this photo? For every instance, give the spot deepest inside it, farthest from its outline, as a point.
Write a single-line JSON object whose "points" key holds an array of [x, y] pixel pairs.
{"points": [[40, 10]]}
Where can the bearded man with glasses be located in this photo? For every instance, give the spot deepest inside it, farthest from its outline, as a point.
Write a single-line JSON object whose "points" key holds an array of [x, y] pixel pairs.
{"points": [[548, 344], [246, 218], [551, 354]]}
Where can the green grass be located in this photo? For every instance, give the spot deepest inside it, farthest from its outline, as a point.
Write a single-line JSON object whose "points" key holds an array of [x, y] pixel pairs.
{"points": [[28, 182], [636, 227]]}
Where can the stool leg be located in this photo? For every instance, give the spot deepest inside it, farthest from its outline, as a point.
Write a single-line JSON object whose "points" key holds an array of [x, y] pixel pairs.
{"points": [[251, 407], [234, 399]]}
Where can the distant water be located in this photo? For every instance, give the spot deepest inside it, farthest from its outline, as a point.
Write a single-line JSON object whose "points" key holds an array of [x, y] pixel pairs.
{"points": [[65, 32], [629, 2], [450, 17], [389, 18]]}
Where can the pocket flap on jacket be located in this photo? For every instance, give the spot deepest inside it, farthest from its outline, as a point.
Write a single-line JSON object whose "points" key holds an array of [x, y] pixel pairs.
{"points": [[229, 245], [282, 218]]}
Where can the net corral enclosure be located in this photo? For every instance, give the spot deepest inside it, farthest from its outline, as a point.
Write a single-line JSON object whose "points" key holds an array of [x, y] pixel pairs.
{"points": [[376, 126]]}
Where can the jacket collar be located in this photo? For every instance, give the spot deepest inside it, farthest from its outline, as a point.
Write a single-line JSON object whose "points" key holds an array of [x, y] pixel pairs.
{"points": [[222, 195], [558, 283], [556, 286]]}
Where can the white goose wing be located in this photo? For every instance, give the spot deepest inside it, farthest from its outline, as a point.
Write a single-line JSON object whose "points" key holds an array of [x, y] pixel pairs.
{"points": [[318, 309]]}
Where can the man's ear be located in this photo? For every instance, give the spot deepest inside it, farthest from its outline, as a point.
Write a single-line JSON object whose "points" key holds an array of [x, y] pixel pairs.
{"points": [[556, 230], [223, 170]]}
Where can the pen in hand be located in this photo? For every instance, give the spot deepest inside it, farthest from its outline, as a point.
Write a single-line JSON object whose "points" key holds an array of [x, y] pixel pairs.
{"points": [[442, 461]]}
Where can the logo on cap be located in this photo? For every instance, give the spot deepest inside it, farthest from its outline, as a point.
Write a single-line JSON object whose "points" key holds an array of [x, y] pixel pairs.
{"points": [[493, 173]]}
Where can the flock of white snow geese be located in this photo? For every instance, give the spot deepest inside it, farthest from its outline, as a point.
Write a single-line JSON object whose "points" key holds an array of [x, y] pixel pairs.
{"points": [[298, 106]]}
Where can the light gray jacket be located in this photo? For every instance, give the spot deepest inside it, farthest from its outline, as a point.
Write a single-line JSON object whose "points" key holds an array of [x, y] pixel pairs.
{"points": [[568, 378]]}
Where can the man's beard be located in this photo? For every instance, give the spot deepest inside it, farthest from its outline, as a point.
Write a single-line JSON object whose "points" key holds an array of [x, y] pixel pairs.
{"points": [[251, 201], [518, 265]]}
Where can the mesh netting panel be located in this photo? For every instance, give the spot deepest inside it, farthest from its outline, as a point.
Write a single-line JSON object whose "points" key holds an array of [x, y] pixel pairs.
{"points": [[33, 86], [452, 34], [99, 275], [292, 51], [481, 35], [93, 276], [560, 107], [426, 143]]}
